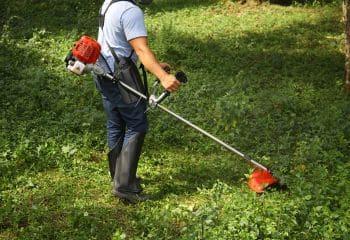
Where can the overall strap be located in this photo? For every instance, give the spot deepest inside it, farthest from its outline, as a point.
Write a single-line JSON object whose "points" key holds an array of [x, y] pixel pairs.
{"points": [[102, 22], [101, 25]]}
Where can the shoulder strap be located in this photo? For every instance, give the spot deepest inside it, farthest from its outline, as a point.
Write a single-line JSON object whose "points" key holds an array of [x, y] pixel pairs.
{"points": [[101, 25], [102, 22], [101, 19]]}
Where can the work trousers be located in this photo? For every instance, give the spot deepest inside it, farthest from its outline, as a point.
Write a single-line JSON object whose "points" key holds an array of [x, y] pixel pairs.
{"points": [[123, 119]]}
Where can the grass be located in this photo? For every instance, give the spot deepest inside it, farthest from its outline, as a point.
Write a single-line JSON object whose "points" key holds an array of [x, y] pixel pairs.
{"points": [[266, 79]]}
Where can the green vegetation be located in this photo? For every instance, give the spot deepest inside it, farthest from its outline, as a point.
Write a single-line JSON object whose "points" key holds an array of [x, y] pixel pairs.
{"points": [[266, 79]]}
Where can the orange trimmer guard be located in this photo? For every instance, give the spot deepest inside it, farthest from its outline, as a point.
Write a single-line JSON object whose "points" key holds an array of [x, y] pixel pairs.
{"points": [[260, 179]]}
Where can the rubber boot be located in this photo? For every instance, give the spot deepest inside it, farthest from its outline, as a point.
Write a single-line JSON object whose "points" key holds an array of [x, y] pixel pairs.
{"points": [[113, 156], [112, 161], [125, 183]]}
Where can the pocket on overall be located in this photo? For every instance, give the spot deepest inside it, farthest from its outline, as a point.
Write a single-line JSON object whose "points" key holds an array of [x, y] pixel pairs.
{"points": [[128, 73]]}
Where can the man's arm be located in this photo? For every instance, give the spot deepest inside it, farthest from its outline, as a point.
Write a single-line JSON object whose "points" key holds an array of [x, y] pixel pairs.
{"points": [[148, 59]]}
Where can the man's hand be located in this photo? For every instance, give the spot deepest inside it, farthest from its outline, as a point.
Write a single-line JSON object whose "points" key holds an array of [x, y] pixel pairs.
{"points": [[170, 83], [146, 56]]}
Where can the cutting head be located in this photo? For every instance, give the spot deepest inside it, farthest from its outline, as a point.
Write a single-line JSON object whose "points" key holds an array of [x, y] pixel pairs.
{"points": [[260, 179]]}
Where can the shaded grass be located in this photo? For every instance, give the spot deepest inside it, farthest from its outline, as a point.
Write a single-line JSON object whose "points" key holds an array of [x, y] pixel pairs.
{"points": [[265, 79]]}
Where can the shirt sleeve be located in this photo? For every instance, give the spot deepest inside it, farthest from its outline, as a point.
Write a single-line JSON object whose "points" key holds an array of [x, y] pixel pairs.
{"points": [[133, 23]]}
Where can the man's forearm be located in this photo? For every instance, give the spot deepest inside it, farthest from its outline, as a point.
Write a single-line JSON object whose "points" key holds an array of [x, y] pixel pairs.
{"points": [[147, 57], [150, 62]]}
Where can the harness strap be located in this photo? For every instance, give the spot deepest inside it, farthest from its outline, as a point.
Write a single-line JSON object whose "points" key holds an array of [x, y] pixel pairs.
{"points": [[101, 25], [102, 15], [144, 76]]}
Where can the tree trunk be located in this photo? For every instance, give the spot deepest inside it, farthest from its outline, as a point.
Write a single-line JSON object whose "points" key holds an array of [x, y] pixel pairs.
{"points": [[346, 14]]}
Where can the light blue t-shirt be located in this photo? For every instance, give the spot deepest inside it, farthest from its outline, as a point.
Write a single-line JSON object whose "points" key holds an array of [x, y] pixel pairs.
{"points": [[123, 21]]}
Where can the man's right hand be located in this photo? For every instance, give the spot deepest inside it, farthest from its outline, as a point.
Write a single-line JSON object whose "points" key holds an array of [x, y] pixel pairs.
{"points": [[170, 83]]}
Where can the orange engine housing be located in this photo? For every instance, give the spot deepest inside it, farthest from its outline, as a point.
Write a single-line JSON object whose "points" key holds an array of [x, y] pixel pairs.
{"points": [[86, 50]]}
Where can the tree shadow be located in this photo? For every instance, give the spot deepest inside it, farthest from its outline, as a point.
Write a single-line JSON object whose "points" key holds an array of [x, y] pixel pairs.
{"points": [[57, 206], [281, 51], [176, 5], [39, 109], [13, 107], [21, 18], [245, 65]]}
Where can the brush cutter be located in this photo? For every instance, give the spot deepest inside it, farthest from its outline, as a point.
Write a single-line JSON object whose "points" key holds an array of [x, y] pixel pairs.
{"points": [[82, 59]]}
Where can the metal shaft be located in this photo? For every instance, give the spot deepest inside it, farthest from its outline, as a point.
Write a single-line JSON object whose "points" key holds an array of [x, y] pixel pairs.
{"points": [[246, 157], [252, 161]]}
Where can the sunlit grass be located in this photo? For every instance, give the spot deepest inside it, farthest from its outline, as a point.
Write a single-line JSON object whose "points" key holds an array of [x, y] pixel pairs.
{"points": [[265, 79]]}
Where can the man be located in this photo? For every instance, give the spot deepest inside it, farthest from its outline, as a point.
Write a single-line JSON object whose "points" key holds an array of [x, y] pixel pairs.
{"points": [[123, 36]]}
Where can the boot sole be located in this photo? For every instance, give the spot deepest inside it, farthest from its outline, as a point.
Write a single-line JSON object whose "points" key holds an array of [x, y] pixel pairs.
{"points": [[130, 197]]}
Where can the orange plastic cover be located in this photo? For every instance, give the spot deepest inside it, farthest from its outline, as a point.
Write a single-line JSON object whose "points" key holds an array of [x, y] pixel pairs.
{"points": [[87, 50], [260, 179]]}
